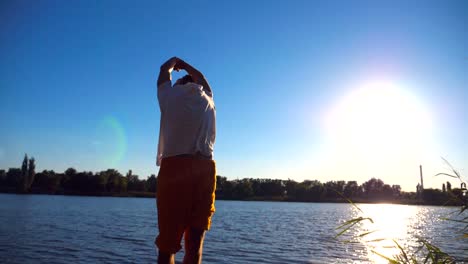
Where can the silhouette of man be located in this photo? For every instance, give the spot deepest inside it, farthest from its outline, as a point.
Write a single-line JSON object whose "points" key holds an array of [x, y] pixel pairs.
{"points": [[187, 175]]}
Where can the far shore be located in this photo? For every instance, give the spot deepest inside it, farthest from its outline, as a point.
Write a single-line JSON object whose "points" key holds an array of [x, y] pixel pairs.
{"points": [[251, 199]]}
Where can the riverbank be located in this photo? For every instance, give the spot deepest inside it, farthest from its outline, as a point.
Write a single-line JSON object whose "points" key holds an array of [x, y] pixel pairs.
{"points": [[254, 199]]}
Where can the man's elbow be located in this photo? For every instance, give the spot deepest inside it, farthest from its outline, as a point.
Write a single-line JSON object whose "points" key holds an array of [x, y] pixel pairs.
{"points": [[164, 69]]}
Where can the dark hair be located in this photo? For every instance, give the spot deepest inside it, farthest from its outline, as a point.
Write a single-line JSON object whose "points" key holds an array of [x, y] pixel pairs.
{"points": [[186, 79]]}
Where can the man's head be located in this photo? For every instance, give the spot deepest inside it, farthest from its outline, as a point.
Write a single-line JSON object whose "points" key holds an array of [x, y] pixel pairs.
{"points": [[186, 79]]}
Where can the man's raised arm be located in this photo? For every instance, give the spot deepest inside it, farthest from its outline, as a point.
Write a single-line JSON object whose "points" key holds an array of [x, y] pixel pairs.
{"points": [[166, 69], [197, 76]]}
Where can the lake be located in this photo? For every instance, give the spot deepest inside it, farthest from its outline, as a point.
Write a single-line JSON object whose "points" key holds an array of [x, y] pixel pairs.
{"points": [[73, 229]]}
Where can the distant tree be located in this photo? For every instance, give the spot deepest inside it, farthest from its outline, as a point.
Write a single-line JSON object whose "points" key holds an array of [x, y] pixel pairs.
{"points": [[396, 190], [113, 180], [47, 181], [434, 196], [23, 182], [275, 188], [340, 185], [151, 183], [373, 187], [306, 191], [79, 182], [24, 166], [316, 191], [90, 185], [123, 184], [133, 183], [40, 181], [129, 176], [409, 196], [54, 180], [25, 179], [13, 177], [386, 192], [2, 178], [291, 189], [69, 180], [360, 191], [456, 196], [333, 189], [100, 180], [258, 187], [141, 186], [351, 189], [243, 189], [302, 191], [220, 183], [224, 188], [267, 187], [31, 173], [71, 172]]}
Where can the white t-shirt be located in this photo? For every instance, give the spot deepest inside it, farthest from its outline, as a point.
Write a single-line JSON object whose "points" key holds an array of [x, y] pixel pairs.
{"points": [[188, 120]]}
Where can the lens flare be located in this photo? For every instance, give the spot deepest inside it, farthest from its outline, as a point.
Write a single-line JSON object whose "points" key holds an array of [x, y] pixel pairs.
{"points": [[111, 142]]}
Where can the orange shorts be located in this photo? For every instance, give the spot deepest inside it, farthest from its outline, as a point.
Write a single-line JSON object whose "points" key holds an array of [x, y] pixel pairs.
{"points": [[185, 198]]}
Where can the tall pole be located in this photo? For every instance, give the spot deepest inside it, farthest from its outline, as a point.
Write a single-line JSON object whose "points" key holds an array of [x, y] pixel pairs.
{"points": [[420, 172]]}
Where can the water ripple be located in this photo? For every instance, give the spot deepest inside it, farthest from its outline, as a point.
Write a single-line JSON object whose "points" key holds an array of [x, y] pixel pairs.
{"points": [[60, 229]]}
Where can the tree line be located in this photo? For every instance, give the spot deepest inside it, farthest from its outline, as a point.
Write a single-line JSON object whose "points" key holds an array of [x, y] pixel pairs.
{"points": [[373, 190], [111, 182], [107, 182]]}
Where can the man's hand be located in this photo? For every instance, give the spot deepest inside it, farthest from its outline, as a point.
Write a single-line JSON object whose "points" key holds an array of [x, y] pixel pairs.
{"points": [[166, 69], [180, 65], [197, 76], [170, 63]]}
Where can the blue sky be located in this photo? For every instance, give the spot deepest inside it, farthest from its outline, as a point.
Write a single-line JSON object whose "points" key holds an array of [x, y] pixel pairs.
{"points": [[77, 83]]}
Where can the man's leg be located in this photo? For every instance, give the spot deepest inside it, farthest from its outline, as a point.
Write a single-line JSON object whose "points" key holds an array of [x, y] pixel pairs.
{"points": [[172, 199], [193, 245], [165, 258]]}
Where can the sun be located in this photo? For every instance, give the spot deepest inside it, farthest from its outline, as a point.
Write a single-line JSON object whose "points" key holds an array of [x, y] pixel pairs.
{"points": [[377, 121]]}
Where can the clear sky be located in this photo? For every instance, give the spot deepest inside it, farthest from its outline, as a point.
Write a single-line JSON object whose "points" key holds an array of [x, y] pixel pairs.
{"points": [[332, 90]]}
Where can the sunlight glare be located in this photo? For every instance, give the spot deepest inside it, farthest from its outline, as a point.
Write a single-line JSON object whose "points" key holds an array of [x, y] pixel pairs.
{"points": [[378, 124], [391, 222]]}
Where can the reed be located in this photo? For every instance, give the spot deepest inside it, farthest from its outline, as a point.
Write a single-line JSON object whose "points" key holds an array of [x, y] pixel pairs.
{"points": [[425, 252]]}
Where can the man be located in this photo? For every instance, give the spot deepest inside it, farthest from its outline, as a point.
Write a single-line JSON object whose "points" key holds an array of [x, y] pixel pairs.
{"points": [[187, 176]]}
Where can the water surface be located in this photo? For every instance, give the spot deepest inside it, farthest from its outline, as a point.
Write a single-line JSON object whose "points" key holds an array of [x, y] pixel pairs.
{"points": [[71, 229]]}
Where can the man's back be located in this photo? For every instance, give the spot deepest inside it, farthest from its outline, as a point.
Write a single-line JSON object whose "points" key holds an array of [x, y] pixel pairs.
{"points": [[187, 120]]}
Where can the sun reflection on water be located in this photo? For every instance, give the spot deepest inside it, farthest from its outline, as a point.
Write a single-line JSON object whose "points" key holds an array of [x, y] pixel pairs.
{"points": [[390, 222]]}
